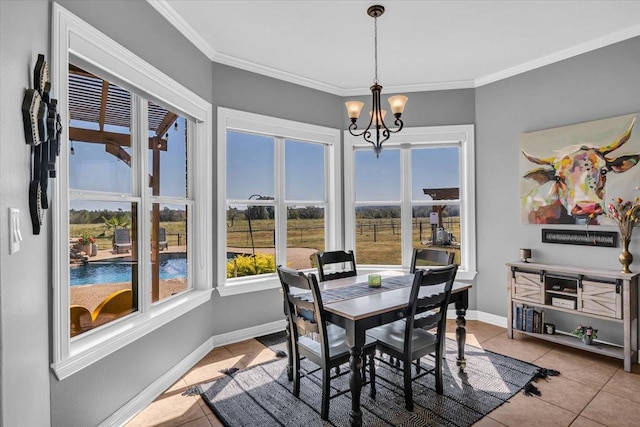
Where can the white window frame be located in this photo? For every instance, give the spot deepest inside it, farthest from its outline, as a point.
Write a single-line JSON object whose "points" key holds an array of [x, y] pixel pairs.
{"points": [[241, 121], [88, 47], [419, 137]]}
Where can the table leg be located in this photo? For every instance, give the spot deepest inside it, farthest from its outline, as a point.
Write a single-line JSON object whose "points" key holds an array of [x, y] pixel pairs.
{"points": [[355, 383], [461, 333], [355, 338]]}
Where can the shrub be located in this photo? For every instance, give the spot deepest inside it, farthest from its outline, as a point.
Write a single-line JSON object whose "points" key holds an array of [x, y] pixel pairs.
{"points": [[247, 265]]}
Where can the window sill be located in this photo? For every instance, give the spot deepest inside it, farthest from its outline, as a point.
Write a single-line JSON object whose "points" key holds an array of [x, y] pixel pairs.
{"points": [[94, 346], [249, 286]]}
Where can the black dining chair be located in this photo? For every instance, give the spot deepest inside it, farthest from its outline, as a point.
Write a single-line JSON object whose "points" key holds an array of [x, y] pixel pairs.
{"points": [[336, 265], [407, 341], [305, 316], [425, 258]]}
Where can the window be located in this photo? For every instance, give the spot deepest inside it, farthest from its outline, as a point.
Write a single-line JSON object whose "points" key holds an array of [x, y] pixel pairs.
{"points": [[418, 194], [277, 184], [134, 182]]}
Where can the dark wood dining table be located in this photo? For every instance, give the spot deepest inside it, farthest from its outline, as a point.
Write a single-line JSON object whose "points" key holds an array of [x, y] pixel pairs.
{"points": [[350, 303]]}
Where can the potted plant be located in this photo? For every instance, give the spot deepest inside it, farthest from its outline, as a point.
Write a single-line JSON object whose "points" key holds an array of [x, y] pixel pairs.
{"points": [[86, 242], [586, 333]]}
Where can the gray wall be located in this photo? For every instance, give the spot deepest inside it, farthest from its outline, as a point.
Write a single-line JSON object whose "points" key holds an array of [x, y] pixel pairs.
{"points": [[24, 276], [599, 84]]}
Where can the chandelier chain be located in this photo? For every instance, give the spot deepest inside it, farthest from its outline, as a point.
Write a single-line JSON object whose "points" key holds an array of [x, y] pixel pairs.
{"points": [[375, 48]]}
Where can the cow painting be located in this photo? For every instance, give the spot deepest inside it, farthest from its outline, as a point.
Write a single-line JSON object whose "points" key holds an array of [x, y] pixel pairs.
{"points": [[570, 185]]}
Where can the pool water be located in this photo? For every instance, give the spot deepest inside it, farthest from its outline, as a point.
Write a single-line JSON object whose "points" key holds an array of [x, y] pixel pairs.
{"points": [[119, 270]]}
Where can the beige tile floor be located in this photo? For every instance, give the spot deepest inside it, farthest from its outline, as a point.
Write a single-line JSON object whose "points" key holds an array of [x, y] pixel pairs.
{"points": [[592, 390]]}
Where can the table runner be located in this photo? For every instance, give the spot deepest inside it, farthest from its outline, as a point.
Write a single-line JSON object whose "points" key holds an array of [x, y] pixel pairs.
{"points": [[360, 289]]}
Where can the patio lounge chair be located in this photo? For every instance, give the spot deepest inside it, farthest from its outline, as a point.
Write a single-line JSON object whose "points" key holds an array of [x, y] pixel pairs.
{"points": [[118, 304], [121, 241], [162, 239]]}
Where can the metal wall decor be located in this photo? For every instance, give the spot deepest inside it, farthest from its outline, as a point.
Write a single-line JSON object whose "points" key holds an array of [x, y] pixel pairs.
{"points": [[42, 130], [607, 239]]}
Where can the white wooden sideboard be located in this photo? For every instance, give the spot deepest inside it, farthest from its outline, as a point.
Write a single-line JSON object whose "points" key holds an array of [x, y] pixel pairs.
{"points": [[596, 293]]}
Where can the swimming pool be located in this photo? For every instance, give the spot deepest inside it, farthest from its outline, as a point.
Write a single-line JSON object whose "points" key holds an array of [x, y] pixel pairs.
{"points": [[172, 266]]}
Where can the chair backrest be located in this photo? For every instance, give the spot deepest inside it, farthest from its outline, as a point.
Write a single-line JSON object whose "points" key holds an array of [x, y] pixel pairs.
{"points": [[430, 257], [162, 235], [444, 276], [331, 259], [303, 305], [79, 319], [115, 305], [122, 236]]}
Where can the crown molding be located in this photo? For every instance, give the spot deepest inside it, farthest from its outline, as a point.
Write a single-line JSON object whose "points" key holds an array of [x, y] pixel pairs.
{"points": [[233, 61], [594, 44], [181, 25]]}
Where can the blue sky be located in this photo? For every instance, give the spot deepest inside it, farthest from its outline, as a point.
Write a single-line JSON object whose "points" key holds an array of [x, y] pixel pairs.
{"points": [[250, 169]]}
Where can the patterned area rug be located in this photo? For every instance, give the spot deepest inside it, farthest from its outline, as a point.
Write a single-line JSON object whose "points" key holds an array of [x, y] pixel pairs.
{"points": [[261, 395]]}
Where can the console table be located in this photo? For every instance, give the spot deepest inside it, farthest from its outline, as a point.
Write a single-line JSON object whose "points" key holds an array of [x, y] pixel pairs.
{"points": [[596, 293]]}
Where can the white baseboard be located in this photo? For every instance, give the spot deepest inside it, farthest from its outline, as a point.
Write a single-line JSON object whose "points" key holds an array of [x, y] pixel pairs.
{"points": [[159, 386], [148, 395], [248, 333]]}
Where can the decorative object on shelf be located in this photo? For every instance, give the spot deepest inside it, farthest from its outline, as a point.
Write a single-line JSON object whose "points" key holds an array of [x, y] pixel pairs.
{"points": [[586, 333], [605, 239], [525, 254], [42, 128], [625, 214], [565, 172], [397, 102], [549, 328]]}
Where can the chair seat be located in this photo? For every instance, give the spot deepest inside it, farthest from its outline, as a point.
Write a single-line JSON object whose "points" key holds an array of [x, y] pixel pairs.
{"points": [[391, 336], [337, 344]]}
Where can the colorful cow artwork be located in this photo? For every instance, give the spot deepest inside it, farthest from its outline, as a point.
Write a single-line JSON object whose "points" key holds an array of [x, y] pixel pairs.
{"points": [[570, 186]]}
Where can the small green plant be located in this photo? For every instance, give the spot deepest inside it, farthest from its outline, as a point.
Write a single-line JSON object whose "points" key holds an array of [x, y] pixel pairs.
{"points": [[248, 265], [585, 331]]}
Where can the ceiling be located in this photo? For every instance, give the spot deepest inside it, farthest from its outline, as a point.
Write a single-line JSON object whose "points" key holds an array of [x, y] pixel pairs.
{"points": [[422, 45]]}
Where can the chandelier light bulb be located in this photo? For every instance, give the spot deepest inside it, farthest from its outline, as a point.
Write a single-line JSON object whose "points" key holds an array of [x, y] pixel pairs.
{"points": [[353, 109], [377, 120], [397, 103]]}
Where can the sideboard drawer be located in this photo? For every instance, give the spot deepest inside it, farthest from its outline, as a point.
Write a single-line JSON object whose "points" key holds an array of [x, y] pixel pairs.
{"points": [[527, 287], [603, 299]]}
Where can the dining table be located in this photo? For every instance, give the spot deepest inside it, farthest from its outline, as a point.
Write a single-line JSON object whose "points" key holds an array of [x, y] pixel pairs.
{"points": [[354, 305]]}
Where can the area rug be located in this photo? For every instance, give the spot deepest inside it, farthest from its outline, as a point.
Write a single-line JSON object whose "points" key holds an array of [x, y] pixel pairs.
{"points": [[261, 395]]}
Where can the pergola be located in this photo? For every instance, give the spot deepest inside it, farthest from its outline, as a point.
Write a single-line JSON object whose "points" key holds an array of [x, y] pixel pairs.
{"points": [[441, 194], [95, 100]]}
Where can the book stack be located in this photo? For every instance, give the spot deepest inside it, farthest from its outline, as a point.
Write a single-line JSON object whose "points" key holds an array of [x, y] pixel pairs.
{"points": [[528, 319]]}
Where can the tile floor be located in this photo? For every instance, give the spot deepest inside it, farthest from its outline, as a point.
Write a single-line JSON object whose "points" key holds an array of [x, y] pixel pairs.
{"points": [[593, 390]]}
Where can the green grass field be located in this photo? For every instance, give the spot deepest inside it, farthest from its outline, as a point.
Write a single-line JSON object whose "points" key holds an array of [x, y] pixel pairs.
{"points": [[377, 240]]}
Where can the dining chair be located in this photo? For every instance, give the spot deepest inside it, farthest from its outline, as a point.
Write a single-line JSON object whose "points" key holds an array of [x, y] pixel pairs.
{"points": [[430, 258], [328, 268], [407, 341], [305, 315]]}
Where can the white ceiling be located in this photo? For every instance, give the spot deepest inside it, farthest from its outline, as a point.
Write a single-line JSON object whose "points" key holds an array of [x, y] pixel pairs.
{"points": [[422, 45]]}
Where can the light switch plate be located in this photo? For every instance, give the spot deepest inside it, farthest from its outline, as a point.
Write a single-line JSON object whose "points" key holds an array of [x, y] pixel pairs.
{"points": [[15, 236]]}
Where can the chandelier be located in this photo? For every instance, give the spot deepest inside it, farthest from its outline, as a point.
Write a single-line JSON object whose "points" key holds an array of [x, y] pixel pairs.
{"points": [[397, 102]]}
